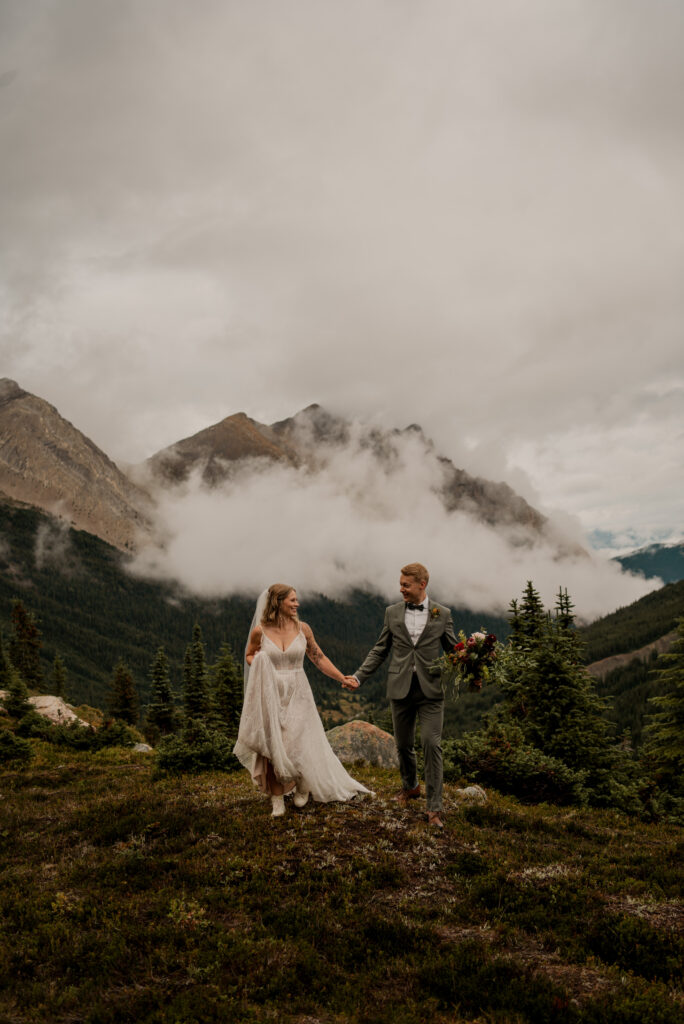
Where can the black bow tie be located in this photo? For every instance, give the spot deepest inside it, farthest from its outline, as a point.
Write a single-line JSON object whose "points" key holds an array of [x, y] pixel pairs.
{"points": [[415, 607]]}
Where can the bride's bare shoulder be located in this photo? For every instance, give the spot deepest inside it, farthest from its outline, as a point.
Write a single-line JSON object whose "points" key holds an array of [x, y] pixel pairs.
{"points": [[306, 629], [256, 634]]}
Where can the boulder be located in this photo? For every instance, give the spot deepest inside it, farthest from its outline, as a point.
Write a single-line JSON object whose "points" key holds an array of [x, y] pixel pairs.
{"points": [[55, 709], [142, 748], [52, 708], [471, 795], [359, 742]]}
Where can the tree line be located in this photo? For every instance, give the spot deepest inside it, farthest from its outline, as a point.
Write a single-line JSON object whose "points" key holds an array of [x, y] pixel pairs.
{"points": [[194, 729]]}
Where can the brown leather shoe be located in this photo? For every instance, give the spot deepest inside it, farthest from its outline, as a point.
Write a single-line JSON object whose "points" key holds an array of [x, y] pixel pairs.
{"points": [[404, 795], [434, 819]]}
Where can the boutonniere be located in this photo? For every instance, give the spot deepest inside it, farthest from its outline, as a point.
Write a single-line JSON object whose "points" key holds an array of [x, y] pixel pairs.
{"points": [[434, 613]]}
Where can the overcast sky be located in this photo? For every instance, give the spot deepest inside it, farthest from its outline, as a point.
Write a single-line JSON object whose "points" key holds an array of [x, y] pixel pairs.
{"points": [[465, 214]]}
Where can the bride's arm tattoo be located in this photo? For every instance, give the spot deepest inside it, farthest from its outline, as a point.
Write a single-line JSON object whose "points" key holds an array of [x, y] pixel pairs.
{"points": [[320, 660], [313, 651]]}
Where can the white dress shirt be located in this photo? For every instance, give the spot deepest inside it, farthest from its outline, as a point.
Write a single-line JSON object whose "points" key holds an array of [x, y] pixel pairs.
{"points": [[416, 620]]}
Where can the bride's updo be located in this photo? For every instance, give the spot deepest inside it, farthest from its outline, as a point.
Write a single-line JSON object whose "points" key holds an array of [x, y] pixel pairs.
{"points": [[277, 593]]}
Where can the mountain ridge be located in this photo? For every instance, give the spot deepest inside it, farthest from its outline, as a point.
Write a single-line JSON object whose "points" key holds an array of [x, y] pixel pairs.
{"points": [[46, 462], [309, 440]]}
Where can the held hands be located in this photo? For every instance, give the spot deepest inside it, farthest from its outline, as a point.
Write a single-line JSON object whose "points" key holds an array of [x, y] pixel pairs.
{"points": [[350, 683]]}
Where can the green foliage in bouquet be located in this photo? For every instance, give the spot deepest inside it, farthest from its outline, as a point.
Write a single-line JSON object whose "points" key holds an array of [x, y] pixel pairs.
{"points": [[473, 661]]}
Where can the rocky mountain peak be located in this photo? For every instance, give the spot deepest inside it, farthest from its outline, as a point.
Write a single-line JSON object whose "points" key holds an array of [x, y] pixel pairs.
{"points": [[9, 389], [46, 462]]}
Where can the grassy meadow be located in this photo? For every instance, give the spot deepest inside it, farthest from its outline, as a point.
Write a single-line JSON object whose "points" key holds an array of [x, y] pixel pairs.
{"points": [[126, 897]]}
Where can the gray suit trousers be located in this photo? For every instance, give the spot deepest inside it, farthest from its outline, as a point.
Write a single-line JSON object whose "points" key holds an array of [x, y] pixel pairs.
{"points": [[430, 714]]}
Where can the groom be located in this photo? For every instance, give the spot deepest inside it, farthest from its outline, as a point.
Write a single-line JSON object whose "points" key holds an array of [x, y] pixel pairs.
{"points": [[415, 632]]}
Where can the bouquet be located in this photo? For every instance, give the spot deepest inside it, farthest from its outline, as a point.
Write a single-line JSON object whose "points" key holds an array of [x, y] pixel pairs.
{"points": [[470, 662]]}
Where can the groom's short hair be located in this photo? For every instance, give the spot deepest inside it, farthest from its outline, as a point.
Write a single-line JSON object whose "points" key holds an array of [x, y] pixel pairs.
{"points": [[418, 571]]}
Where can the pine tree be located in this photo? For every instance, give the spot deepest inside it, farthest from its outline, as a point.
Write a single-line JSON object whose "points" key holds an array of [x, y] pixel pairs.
{"points": [[25, 645], [5, 666], [664, 731], [565, 615], [59, 678], [161, 715], [124, 703], [528, 620], [552, 700], [196, 697], [16, 703], [227, 691]]}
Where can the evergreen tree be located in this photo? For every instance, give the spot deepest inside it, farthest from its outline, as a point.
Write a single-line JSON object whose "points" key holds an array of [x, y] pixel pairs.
{"points": [[565, 615], [25, 645], [551, 706], [124, 703], [564, 625], [227, 691], [59, 678], [664, 730], [5, 666], [196, 697], [17, 702], [161, 715], [527, 620]]}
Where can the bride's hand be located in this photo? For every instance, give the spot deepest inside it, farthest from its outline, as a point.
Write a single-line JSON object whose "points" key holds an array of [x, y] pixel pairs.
{"points": [[350, 683]]}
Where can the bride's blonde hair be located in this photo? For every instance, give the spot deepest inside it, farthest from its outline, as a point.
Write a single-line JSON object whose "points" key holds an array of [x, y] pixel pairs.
{"points": [[277, 593]]}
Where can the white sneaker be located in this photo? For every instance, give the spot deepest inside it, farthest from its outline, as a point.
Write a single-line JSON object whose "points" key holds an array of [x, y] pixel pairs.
{"points": [[300, 799], [278, 806]]}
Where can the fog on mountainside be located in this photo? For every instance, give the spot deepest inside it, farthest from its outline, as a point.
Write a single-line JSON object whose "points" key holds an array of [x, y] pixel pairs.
{"points": [[323, 503], [329, 506]]}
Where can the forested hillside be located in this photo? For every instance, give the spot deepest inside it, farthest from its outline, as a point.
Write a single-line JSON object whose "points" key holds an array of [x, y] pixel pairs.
{"points": [[640, 623], [663, 560], [93, 612], [630, 686]]}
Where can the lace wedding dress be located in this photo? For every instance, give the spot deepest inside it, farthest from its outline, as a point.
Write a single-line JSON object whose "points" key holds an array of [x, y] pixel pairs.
{"points": [[280, 724]]}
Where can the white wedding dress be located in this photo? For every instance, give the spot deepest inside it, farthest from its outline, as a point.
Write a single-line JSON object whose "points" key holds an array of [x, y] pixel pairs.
{"points": [[280, 724]]}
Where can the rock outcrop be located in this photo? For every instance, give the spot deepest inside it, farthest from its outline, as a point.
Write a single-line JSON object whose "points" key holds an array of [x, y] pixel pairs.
{"points": [[359, 742], [53, 708]]}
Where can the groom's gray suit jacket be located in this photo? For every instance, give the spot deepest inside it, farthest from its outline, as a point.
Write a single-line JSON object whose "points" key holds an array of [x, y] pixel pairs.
{"points": [[437, 636]]}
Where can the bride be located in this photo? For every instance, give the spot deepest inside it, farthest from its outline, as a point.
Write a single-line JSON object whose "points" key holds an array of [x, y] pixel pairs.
{"points": [[281, 740]]}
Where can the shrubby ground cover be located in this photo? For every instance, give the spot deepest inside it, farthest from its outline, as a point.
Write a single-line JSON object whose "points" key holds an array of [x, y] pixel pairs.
{"points": [[129, 895]]}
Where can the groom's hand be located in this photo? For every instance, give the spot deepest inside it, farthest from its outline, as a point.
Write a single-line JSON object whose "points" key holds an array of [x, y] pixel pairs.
{"points": [[350, 683]]}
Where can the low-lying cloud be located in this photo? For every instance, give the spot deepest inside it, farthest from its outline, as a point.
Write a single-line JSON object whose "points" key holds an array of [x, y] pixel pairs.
{"points": [[353, 523]]}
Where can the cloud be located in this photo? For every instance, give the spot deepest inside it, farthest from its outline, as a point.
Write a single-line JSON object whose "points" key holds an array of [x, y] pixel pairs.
{"points": [[353, 523], [460, 214], [52, 547]]}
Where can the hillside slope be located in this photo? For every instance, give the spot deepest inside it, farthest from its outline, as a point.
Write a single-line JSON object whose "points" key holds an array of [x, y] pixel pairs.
{"points": [[130, 897]]}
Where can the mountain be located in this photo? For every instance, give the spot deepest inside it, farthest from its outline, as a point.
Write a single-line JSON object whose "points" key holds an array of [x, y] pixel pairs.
{"points": [[313, 437], [47, 463], [665, 561], [213, 450]]}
